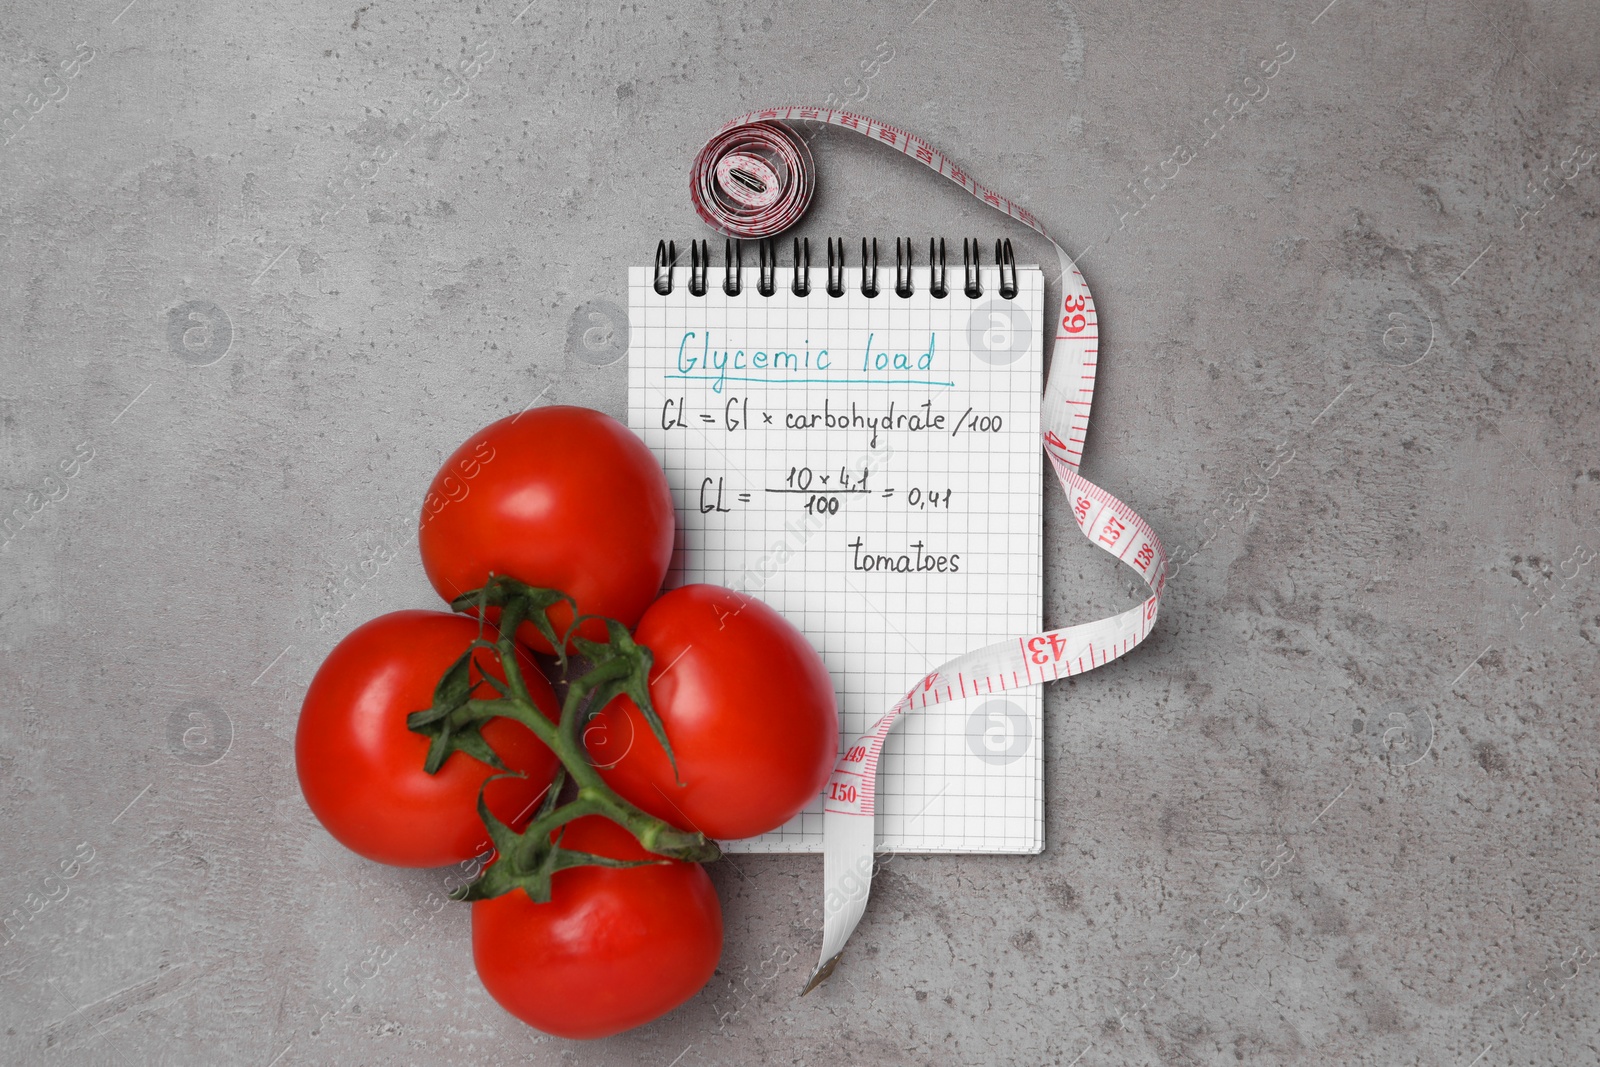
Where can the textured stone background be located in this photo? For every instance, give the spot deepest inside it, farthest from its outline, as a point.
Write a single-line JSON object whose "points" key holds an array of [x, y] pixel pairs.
{"points": [[1341, 808]]}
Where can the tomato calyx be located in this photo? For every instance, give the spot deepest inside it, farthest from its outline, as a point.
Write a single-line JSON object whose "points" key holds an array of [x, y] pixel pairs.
{"points": [[528, 860], [449, 732], [617, 666]]}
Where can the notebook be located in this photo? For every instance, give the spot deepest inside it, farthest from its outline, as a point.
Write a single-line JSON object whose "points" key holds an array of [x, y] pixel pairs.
{"points": [[870, 467]]}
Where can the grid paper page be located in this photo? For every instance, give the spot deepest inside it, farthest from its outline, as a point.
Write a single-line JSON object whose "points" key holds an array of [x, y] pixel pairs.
{"points": [[871, 468]]}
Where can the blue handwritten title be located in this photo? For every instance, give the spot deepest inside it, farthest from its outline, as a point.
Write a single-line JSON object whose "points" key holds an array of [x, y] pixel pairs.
{"points": [[699, 361]]}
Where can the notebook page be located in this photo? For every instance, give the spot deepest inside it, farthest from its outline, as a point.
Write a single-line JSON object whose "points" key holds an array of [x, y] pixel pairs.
{"points": [[869, 467]]}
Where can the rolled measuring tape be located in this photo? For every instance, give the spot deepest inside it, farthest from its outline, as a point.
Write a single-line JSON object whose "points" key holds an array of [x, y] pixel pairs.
{"points": [[754, 179]]}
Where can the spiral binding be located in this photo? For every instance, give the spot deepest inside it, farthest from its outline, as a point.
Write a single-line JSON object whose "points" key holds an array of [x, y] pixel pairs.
{"points": [[802, 267], [733, 278], [767, 276]]}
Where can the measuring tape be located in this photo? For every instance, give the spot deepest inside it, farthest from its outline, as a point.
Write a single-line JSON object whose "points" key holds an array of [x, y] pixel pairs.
{"points": [[754, 179]]}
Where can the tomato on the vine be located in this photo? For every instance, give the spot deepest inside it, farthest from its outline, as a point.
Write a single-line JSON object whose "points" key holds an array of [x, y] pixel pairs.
{"points": [[560, 497], [361, 769], [747, 705], [612, 949]]}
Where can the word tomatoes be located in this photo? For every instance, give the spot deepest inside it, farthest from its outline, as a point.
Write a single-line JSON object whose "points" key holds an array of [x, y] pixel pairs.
{"points": [[747, 706], [361, 769], [560, 497], [612, 949]]}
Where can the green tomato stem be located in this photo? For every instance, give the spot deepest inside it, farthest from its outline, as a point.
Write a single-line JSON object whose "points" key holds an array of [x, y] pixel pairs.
{"points": [[528, 859]]}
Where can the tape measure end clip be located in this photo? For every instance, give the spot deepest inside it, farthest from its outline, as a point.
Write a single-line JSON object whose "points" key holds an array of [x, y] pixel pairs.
{"points": [[822, 973]]}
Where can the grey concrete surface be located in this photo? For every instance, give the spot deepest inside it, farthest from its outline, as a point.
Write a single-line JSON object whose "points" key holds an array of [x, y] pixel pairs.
{"points": [[1341, 808]]}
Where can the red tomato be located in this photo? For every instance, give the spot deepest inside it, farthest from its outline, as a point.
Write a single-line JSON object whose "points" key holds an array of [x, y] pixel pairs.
{"points": [[612, 949], [747, 704], [559, 497], [361, 769]]}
